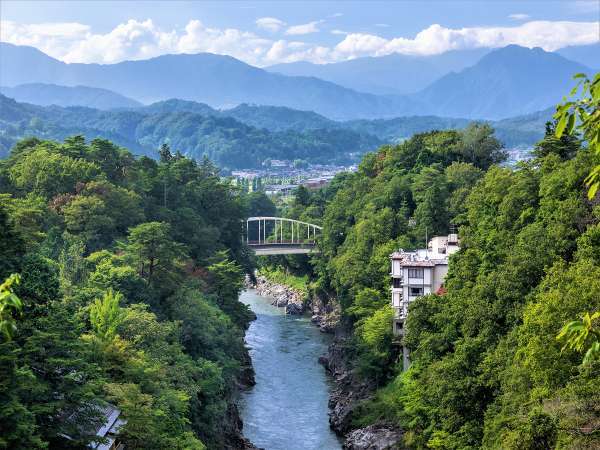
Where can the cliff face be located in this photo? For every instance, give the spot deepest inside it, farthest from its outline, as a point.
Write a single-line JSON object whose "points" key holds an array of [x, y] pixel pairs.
{"points": [[349, 391]]}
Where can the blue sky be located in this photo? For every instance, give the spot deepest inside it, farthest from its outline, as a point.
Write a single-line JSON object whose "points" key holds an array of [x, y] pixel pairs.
{"points": [[266, 32]]}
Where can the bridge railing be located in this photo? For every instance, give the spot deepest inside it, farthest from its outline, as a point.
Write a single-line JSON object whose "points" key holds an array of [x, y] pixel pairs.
{"points": [[281, 231]]}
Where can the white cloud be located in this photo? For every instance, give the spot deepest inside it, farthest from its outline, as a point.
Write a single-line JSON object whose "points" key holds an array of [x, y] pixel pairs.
{"points": [[437, 39], [131, 40], [382, 25], [518, 16], [337, 14], [306, 28], [271, 24]]}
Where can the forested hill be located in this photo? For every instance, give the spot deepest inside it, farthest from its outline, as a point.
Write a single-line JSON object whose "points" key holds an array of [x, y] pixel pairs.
{"points": [[130, 274], [225, 140], [240, 137], [487, 370]]}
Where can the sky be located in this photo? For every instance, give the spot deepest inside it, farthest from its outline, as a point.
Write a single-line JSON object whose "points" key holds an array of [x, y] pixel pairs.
{"points": [[263, 33]]}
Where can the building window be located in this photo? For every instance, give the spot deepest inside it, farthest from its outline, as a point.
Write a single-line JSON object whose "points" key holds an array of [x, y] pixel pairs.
{"points": [[397, 283], [416, 291], [415, 273]]}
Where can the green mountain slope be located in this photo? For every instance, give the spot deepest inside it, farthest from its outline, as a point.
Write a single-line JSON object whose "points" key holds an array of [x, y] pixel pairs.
{"points": [[225, 140], [52, 94]]}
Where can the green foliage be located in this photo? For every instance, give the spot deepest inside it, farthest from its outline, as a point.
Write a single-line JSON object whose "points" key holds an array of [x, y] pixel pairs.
{"points": [[131, 271], [583, 114], [582, 335], [229, 142], [10, 306], [153, 249], [12, 246], [105, 315], [227, 282]]}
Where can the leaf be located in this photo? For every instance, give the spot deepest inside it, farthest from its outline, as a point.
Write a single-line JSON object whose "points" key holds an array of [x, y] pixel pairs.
{"points": [[570, 123], [560, 127]]}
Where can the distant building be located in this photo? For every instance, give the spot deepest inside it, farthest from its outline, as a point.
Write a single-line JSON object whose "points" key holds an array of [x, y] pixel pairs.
{"points": [[316, 183], [105, 426], [418, 273], [109, 430], [283, 189]]}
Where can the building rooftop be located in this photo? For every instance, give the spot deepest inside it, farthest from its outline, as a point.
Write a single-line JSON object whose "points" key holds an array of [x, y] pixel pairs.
{"points": [[437, 252]]}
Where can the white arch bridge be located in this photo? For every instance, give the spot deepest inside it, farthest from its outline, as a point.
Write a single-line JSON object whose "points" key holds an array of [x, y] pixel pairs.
{"points": [[280, 236]]}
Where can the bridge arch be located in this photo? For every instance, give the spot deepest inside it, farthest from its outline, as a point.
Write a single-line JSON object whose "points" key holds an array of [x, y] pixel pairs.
{"points": [[280, 235]]}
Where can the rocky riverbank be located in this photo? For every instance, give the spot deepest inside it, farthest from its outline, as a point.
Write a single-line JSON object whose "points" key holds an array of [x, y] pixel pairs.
{"points": [[349, 391], [233, 426], [325, 314]]}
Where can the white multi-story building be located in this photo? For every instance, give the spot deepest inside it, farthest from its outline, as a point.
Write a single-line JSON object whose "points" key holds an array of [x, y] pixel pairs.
{"points": [[418, 273]]}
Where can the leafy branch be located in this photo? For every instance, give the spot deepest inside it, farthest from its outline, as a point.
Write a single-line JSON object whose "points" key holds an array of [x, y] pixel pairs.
{"points": [[582, 335], [582, 114], [10, 306]]}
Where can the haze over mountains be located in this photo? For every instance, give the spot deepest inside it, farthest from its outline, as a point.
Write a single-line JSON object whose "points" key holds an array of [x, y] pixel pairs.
{"points": [[52, 94], [503, 83], [391, 74]]}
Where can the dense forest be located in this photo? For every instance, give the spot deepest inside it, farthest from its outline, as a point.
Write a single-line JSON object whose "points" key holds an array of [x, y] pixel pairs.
{"points": [[185, 126], [241, 137], [487, 369], [130, 271]]}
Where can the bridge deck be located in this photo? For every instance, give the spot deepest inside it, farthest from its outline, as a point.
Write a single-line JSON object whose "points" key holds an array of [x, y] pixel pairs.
{"points": [[273, 248], [267, 251]]}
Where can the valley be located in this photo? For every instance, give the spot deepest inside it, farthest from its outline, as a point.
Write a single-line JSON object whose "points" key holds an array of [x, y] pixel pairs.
{"points": [[299, 226]]}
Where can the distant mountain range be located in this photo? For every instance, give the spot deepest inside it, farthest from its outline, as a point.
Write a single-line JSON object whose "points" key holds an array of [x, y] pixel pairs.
{"points": [[242, 137], [52, 94], [588, 55], [502, 83], [384, 75], [506, 82], [220, 81]]}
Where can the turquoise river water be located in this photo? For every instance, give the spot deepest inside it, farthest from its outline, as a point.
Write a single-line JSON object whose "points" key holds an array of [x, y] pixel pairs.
{"points": [[287, 408]]}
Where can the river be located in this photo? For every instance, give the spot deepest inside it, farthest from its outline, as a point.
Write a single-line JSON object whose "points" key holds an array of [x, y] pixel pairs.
{"points": [[287, 408]]}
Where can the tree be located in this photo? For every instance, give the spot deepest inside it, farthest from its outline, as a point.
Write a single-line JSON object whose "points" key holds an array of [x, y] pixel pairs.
{"points": [[153, 249], [165, 154], [478, 146], [582, 114], [12, 246], [302, 196], [227, 281], [106, 315], [45, 172]]}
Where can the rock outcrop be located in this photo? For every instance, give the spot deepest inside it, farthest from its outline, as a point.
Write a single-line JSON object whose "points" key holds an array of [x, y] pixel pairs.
{"points": [[325, 314], [374, 437], [292, 300], [348, 392]]}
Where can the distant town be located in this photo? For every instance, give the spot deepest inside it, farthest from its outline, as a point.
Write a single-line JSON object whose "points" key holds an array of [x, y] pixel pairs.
{"points": [[282, 177]]}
